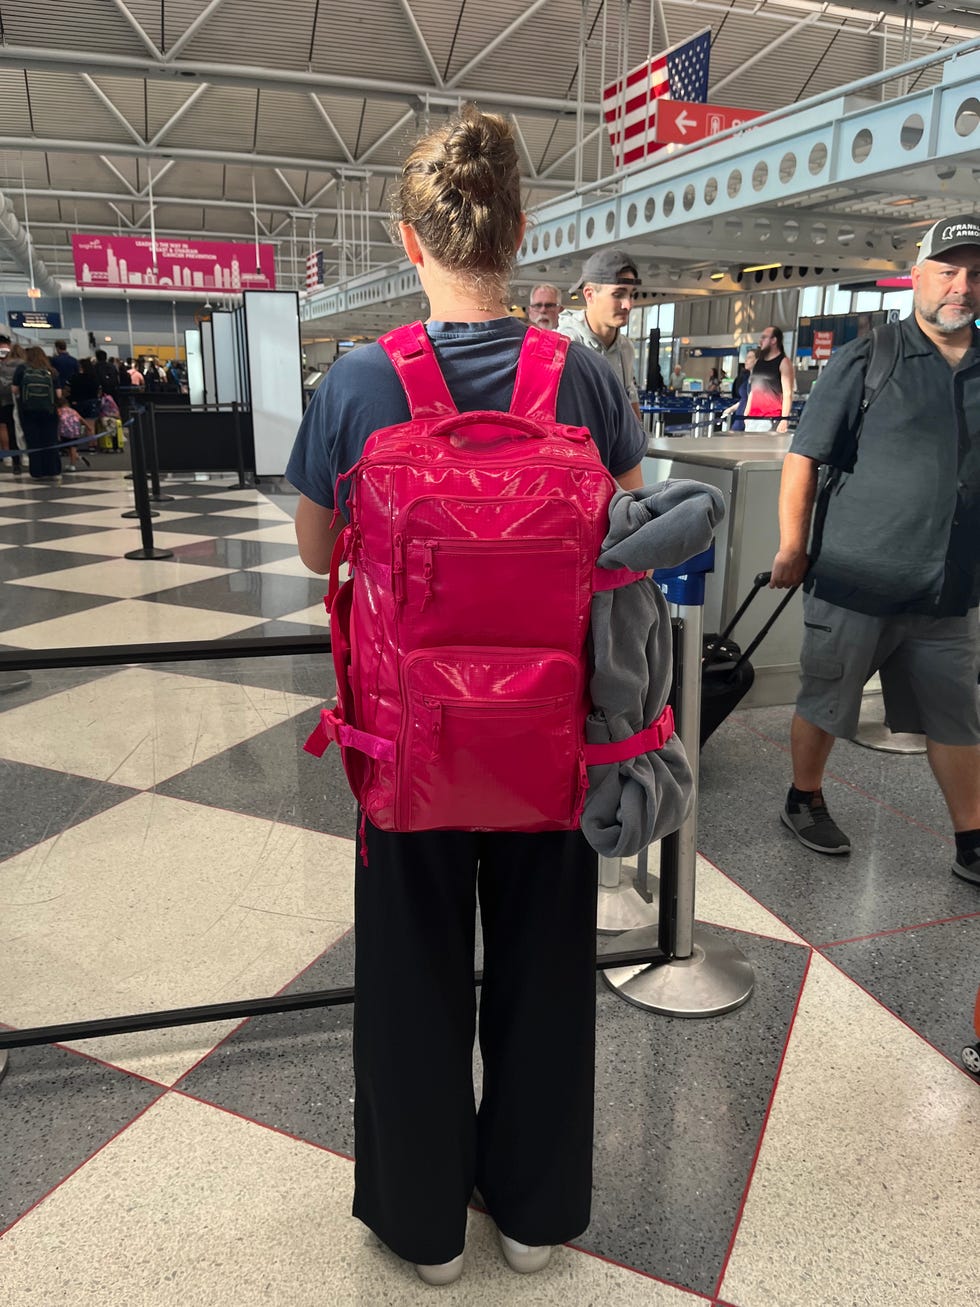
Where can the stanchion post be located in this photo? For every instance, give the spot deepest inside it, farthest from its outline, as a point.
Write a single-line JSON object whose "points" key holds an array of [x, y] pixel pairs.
{"points": [[154, 461], [141, 495], [705, 975], [236, 410]]}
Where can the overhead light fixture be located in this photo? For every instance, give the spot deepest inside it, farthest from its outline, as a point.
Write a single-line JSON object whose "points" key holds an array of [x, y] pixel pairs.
{"points": [[909, 199], [762, 267], [719, 276]]}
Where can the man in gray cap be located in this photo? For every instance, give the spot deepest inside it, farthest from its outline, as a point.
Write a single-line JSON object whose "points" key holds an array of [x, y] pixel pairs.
{"points": [[895, 582], [609, 285]]}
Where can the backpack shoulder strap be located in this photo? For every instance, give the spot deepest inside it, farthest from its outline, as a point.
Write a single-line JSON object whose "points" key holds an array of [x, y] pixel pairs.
{"points": [[539, 369], [413, 358], [886, 343]]}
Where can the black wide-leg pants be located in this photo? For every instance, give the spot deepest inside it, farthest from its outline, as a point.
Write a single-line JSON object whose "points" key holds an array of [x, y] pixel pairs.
{"points": [[420, 1144]]}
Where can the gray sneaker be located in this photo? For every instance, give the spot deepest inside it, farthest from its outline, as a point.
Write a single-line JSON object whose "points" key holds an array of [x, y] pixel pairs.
{"points": [[813, 825], [967, 866]]}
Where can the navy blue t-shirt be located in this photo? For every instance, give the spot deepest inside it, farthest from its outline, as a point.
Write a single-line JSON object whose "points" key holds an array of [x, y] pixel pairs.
{"points": [[361, 393]]}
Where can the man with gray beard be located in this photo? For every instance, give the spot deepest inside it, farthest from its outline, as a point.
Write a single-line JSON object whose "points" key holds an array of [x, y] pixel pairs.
{"points": [[895, 582]]}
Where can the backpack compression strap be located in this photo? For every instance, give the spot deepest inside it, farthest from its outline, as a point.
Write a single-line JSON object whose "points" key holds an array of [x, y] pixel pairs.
{"points": [[413, 358], [539, 370]]}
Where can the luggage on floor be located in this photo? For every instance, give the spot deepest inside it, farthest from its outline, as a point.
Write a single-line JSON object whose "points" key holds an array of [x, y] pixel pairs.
{"points": [[111, 436], [726, 673], [971, 1054]]}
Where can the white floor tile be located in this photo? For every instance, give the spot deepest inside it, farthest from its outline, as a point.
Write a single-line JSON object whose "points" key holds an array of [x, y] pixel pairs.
{"points": [[315, 616], [293, 567], [122, 499], [274, 535], [260, 511], [193, 1205], [719, 900], [123, 578], [120, 541], [159, 903], [865, 1189], [139, 726], [113, 517], [131, 621]]}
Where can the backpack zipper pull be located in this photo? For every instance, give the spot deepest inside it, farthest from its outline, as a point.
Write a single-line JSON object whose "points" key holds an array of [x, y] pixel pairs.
{"points": [[398, 570], [427, 573], [435, 730]]}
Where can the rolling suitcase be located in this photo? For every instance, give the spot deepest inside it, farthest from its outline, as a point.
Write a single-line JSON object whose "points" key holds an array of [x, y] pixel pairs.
{"points": [[971, 1054], [726, 673]]}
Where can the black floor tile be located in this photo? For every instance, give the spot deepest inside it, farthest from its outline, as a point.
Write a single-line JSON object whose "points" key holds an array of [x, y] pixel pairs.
{"points": [[255, 594], [38, 803], [47, 681], [219, 552], [679, 1104], [48, 510], [271, 776], [57, 1110], [215, 524], [32, 533], [210, 505], [297, 674], [929, 977], [896, 875], [18, 564], [22, 605]]}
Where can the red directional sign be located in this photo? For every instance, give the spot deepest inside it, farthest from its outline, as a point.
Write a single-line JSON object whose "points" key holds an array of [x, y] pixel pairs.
{"points": [[682, 121]]}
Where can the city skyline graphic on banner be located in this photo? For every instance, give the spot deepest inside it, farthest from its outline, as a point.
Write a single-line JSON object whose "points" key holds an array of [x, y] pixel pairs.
{"points": [[129, 261]]}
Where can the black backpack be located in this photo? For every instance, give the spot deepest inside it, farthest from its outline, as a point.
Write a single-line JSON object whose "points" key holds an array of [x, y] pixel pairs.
{"points": [[37, 391]]}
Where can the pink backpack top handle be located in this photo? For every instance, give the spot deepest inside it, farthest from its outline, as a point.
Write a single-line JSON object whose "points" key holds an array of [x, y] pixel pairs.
{"points": [[539, 370], [414, 359]]}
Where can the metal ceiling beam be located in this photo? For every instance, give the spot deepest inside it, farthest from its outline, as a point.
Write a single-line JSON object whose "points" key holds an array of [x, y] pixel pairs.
{"points": [[137, 27], [385, 137], [131, 189], [190, 201], [764, 53], [175, 117], [421, 41], [192, 30], [282, 79], [116, 112], [180, 153], [315, 101], [497, 41]]}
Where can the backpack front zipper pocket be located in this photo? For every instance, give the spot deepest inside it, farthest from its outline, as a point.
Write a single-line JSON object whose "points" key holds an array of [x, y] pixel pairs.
{"points": [[491, 740]]}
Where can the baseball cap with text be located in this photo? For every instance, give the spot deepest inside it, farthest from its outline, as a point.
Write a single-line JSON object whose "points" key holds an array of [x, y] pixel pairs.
{"points": [[949, 234], [605, 268]]}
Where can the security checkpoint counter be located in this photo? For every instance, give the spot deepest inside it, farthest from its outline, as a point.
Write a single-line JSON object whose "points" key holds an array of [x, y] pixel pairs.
{"points": [[746, 468]]}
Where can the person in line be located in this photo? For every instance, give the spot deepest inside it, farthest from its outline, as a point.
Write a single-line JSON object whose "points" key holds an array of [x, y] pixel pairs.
{"points": [[421, 1145], [740, 391], [771, 386], [8, 434], [64, 364], [609, 284], [84, 391], [895, 583], [713, 385], [36, 389], [677, 379], [544, 307]]}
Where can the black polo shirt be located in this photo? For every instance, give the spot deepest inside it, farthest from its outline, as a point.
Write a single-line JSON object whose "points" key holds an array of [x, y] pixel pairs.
{"points": [[902, 530]]}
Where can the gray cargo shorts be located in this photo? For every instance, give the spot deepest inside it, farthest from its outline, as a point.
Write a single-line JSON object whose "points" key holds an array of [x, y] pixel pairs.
{"points": [[928, 668]]}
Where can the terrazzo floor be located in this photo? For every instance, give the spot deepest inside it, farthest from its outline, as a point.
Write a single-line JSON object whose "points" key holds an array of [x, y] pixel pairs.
{"points": [[166, 842]]}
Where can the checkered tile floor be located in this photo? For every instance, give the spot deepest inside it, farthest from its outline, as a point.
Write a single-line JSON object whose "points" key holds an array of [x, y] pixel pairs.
{"points": [[164, 841]]}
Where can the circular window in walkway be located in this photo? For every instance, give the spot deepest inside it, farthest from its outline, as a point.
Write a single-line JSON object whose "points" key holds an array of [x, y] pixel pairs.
{"points": [[818, 158], [967, 117], [734, 183], [911, 133], [861, 145]]}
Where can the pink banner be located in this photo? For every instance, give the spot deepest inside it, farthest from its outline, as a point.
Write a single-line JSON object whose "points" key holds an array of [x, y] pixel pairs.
{"points": [[178, 264]]}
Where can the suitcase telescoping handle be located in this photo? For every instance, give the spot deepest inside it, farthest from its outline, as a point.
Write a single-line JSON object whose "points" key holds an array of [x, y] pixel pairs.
{"points": [[761, 580]]}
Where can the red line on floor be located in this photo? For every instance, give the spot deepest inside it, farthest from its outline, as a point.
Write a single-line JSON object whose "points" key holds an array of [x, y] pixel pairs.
{"points": [[647, 1275], [85, 1161], [757, 901], [762, 1132], [264, 1125], [900, 930]]}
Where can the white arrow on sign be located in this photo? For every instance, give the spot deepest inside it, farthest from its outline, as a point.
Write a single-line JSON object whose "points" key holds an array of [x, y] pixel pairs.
{"points": [[683, 122]]}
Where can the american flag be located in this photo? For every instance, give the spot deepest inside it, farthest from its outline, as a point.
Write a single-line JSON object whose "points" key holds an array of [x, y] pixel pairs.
{"points": [[314, 270], [680, 73]]}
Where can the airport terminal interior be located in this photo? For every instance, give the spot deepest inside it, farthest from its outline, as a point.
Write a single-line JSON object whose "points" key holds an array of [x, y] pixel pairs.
{"points": [[166, 843]]}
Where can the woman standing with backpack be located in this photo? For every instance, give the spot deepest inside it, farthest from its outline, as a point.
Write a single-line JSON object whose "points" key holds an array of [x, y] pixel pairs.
{"points": [[421, 1145], [36, 388]]}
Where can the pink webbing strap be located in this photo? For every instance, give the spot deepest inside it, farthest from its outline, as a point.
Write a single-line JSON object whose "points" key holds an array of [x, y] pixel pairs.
{"points": [[539, 370], [332, 729], [414, 359], [605, 578], [648, 741]]}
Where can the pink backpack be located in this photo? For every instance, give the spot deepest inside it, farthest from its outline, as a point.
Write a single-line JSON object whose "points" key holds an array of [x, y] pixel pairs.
{"points": [[459, 642]]}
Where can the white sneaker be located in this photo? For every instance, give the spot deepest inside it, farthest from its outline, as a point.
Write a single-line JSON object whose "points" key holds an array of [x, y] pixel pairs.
{"points": [[522, 1257], [443, 1273]]}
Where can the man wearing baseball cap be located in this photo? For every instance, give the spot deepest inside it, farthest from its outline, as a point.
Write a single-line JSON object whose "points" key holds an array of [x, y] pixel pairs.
{"points": [[609, 284], [895, 582]]}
